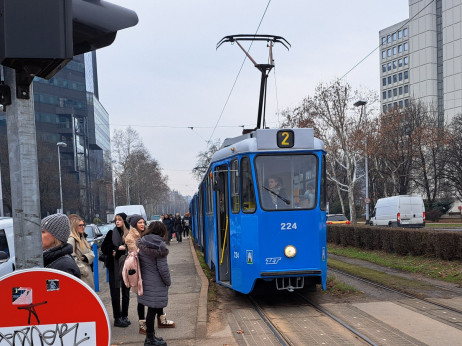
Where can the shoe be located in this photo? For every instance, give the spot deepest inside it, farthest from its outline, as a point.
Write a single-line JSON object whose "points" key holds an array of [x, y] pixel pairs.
{"points": [[162, 322], [120, 323], [151, 339], [126, 320], [142, 327]]}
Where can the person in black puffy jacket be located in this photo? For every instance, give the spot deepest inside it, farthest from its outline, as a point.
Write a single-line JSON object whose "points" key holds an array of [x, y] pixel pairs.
{"points": [[56, 251]]}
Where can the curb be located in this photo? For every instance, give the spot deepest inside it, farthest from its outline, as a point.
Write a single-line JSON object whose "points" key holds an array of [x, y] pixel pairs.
{"points": [[201, 327]]}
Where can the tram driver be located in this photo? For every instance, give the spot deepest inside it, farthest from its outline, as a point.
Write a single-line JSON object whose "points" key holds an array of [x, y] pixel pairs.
{"points": [[274, 196]]}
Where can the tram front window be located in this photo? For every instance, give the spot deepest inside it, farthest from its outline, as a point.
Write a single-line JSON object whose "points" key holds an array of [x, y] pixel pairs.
{"points": [[287, 182]]}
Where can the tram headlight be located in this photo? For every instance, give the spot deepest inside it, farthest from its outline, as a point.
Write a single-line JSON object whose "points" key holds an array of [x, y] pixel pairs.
{"points": [[290, 251]]}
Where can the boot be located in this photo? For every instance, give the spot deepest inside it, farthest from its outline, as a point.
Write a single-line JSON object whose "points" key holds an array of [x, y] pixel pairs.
{"points": [[162, 322], [151, 339], [142, 327]]}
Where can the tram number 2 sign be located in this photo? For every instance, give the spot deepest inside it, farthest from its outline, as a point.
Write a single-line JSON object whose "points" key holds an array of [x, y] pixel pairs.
{"points": [[285, 138]]}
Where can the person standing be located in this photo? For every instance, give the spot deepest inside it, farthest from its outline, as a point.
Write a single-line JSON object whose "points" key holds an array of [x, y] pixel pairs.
{"points": [[168, 222], [82, 252], [116, 251], [186, 224], [56, 251], [178, 227], [156, 277]]}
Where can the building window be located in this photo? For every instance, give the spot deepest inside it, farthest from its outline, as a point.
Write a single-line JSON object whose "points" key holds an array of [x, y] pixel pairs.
{"points": [[400, 76], [400, 34], [384, 81], [401, 104], [400, 62], [389, 66], [389, 79], [384, 108], [405, 32], [406, 60], [395, 105], [384, 68], [405, 46], [406, 74], [389, 93], [400, 90], [389, 106], [384, 95], [389, 52], [406, 89], [384, 41], [384, 54], [394, 50], [400, 48], [406, 102], [394, 64], [389, 39], [395, 78], [395, 92], [394, 36]]}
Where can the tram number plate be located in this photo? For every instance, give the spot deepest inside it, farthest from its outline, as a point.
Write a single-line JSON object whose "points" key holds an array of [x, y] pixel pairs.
{"points": [[288, 225], [285, 139]]}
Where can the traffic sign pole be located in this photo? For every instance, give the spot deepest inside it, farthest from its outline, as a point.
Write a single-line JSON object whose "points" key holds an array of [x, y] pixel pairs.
{"points": [[25, 195]]}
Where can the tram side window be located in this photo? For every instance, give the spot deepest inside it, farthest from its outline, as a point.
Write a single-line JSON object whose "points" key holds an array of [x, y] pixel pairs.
{"points": [[235, 205], [322, 197], [247, 189], [209, 194]]}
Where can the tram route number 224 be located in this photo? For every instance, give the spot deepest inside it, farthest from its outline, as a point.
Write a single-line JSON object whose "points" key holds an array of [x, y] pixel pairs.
{"points": [[288, 225]]}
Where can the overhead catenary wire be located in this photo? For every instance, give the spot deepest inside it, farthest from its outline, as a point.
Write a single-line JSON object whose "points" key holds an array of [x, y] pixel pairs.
{"points": [[239, 72]]}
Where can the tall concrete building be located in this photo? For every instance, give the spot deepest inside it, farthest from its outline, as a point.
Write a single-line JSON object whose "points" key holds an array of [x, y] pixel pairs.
{"points": [[421, 58], [67, 110]]}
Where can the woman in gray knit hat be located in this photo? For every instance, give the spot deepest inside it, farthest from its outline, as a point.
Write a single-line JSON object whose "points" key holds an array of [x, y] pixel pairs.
{"points": [[56, 251]]}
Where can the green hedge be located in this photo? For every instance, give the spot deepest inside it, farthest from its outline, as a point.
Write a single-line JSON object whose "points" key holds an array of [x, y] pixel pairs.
{"points": [[446, 245]]}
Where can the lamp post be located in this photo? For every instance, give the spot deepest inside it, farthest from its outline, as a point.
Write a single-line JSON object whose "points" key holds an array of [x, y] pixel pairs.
{"points": [[362, 104], [113, 189], [60, 144]]}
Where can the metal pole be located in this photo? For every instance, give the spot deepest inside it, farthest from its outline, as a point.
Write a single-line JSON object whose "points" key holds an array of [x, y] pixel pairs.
{"points": [[25, 194], [60, 184], [113, 189], [128, 189], [367, 169], [1, 193]]}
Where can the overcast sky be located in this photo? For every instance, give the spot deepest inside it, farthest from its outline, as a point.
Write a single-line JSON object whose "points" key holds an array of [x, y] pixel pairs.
{"points": [[165, 75]]}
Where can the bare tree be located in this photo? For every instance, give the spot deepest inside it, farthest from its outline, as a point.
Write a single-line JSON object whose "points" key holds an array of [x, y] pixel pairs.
{"points": [[453, 156], [204, 158]]}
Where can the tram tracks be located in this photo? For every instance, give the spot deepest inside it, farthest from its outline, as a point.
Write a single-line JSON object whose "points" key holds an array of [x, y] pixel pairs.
{"points": [[404, 293], [283, 336]]}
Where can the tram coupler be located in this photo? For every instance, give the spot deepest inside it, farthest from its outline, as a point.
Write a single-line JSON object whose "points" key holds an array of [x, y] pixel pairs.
{"points": [[290, 283]]}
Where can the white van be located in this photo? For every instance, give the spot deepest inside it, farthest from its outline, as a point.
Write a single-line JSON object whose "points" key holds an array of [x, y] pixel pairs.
{"points": [[7, 255], [399, 211], [131, 209]]}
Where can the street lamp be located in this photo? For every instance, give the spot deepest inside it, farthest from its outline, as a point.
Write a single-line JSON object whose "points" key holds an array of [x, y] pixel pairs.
{"points": [[60, 144], [362, 104], [113, 189]]}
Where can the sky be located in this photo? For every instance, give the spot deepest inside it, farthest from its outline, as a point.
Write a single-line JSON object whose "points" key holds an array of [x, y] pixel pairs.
{"points": [[165, 76]]}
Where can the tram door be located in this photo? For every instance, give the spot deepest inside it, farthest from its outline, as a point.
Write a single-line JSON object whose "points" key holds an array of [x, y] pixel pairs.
{"points": [[222, 210]]}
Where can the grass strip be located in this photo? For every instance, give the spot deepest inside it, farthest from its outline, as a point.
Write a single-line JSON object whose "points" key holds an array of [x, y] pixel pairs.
{"points": [[449, 271]]}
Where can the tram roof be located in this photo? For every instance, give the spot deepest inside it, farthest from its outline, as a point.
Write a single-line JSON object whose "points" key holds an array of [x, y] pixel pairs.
{"points": [[263, 140]]}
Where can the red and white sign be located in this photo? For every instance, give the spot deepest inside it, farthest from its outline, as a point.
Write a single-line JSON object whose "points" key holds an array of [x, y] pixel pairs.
{"points": [[50, 307]]}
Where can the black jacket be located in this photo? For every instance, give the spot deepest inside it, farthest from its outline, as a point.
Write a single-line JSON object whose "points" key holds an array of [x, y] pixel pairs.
{"points": [[169, 224], [108, 246], [178, 224], [60, 258]]}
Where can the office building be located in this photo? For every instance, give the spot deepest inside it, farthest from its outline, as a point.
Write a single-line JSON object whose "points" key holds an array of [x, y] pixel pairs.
{"points": [[421, 58], [67, 110]]}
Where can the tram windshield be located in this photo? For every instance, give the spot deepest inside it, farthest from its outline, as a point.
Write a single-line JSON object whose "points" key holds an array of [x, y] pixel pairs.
{"points": [[287, 182]]}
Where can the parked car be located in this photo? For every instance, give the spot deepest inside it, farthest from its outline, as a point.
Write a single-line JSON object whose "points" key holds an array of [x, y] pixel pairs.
{"points": [[7, 254], [399, 211], [94, 235], [337, 219], [106, 228]]}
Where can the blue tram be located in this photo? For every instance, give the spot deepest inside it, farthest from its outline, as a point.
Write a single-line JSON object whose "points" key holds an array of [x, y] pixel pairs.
{"points": [[260, 211]]}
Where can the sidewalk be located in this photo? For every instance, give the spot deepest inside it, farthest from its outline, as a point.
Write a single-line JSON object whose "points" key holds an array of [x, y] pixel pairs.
{"points": [[187, 305]]}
